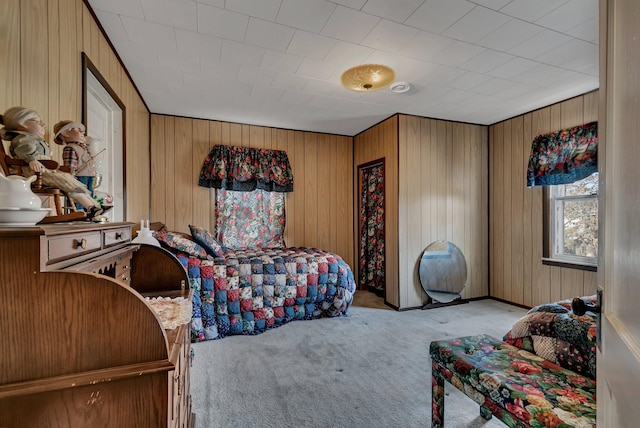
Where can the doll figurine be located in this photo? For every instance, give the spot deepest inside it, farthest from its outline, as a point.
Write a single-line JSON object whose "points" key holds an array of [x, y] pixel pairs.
{"points": [[26, 130], [76, 155]]}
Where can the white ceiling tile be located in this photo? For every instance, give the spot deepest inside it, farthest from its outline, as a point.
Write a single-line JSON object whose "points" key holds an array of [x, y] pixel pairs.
{"points": [[289, 82], [151, 34], [437, 15], [216, 3], [309, 15], [494, 86], [265, 94], [510, 34], [513, 68], [542, 42], [191, 43], [531, 11], [316, 69], [349, 25], [217, 69], [180, 61], [486, 61], [389, 36], [492, 4], [174, 13], [569, 15], [295, 97], [476, 24], [440, 74], [255, 75], [263, 9], [113, 26], [241, 53], [469, 80], [221, 23], [588, 31], [268, 34], [405, 68], [282, 62], [310, 45], [130, 8], [320, 87], [454, 96], [348, 53], [425, 45], [135, 55], [536, 73], [353, 4], [457, 53], [397, 10], [576, 55]]}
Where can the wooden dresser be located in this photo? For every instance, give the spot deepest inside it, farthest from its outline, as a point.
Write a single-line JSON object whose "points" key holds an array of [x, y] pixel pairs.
{"points": [[80, 345]]}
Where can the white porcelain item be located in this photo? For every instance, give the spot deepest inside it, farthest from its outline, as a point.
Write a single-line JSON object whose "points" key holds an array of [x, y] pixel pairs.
{"points": [[15, 192], [20, 217]]}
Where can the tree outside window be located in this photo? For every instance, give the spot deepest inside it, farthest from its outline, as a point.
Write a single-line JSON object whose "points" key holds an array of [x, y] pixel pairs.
{"points": [[572, 222]]}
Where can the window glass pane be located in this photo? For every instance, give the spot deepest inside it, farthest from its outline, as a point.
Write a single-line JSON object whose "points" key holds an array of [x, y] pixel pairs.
{"points": [[580, 237], [586, 186]]}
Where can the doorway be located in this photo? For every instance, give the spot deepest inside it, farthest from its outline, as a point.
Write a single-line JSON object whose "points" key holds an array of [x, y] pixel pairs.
{"points": [[371, 231]]}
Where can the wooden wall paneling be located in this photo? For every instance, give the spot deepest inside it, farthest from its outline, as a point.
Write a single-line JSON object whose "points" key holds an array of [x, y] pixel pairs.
{"points": [[555, 283], [300, 177], [344, 191], [572, 113], [185, 179], [390, 147], [459, 143], [332, 193], [498, 213], [427, 190], [405, 276], [311, 187], [507, 196], [69, 61], [416, 176], [590, 105], [34, 64], [54, 53], [483, 208], [158, 167], [540, 274], [168, 173], [590, 283], [201, 195], [290, 198], [323, 191], [10, 67], [527, 237], [518, 183]]}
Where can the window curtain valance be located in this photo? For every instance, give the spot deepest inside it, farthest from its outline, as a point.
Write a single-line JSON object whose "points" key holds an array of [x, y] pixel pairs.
{"points": [[245, 169], [563, 157]]}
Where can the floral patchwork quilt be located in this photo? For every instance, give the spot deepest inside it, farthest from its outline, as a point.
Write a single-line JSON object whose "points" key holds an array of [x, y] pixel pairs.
{"points": [[249, 291], [553, 332]]}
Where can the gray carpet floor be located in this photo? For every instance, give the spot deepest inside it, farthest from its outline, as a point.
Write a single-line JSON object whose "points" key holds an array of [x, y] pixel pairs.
{"points": [[368, 369]]}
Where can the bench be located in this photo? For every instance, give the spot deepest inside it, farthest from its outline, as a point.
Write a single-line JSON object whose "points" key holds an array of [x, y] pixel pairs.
{"points": [[518, 387]]}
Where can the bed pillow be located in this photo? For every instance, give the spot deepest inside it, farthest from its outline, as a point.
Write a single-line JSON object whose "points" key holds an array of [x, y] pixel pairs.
{"points": [[207, 240], [181, 242]]}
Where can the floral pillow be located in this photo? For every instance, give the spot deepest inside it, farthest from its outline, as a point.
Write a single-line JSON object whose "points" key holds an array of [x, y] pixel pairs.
{"points": [[181, 242], [207, 240]]}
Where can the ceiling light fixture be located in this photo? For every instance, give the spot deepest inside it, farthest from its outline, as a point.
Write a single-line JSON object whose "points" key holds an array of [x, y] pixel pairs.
{"points": [[400, 87], [367, 77]]}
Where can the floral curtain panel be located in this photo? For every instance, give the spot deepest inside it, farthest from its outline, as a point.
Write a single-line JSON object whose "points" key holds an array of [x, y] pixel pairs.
{"points": [[563, 157], [371, 270], [246, 169], [250, 219]]}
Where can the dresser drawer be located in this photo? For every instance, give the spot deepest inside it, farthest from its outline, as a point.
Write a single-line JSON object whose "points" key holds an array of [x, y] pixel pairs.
{"points": [[116, 236], [72, 245]]}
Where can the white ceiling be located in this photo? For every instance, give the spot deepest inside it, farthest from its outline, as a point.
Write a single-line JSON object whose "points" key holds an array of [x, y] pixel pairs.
{"points": [[278, 62]]}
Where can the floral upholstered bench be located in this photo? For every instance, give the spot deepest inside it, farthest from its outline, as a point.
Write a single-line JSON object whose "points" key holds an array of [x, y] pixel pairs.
{"points": [[518, 387]]}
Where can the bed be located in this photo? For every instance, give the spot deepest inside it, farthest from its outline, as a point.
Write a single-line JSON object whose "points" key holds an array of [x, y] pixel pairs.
{"points": [[248, 291]]}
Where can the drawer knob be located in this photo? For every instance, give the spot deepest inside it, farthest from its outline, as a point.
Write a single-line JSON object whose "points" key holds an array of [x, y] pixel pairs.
{"points": [[82, 243], [119, 236]]}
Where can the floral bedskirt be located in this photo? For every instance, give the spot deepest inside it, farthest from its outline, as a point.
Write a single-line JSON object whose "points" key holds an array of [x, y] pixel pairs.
{"points": [[520, 388]]}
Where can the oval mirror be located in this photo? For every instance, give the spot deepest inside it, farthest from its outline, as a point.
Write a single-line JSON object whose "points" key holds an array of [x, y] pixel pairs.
{"points": [[443, 271]]}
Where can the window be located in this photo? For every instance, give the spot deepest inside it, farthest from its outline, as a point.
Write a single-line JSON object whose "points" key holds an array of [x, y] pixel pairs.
{"points": [[572, 223]]}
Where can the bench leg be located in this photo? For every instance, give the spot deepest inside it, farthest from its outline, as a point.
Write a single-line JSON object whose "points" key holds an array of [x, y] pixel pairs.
{"points": [[437, 398], [485, 412]]}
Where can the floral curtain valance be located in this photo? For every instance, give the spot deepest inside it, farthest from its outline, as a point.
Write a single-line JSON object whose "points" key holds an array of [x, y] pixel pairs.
{"points": [[246, 169], [563, 157]]}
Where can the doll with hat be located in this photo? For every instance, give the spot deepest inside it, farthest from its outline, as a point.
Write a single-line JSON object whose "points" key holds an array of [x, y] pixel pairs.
{"points": [[76, 154]]}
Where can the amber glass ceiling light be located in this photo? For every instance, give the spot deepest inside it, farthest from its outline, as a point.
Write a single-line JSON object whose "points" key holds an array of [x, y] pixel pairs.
{"points": [[367, 77]]}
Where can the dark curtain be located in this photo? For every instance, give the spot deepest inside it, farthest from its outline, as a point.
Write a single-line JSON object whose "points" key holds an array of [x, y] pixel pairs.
{"points": [[371, 270], [563, 157], [245, 169]]}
